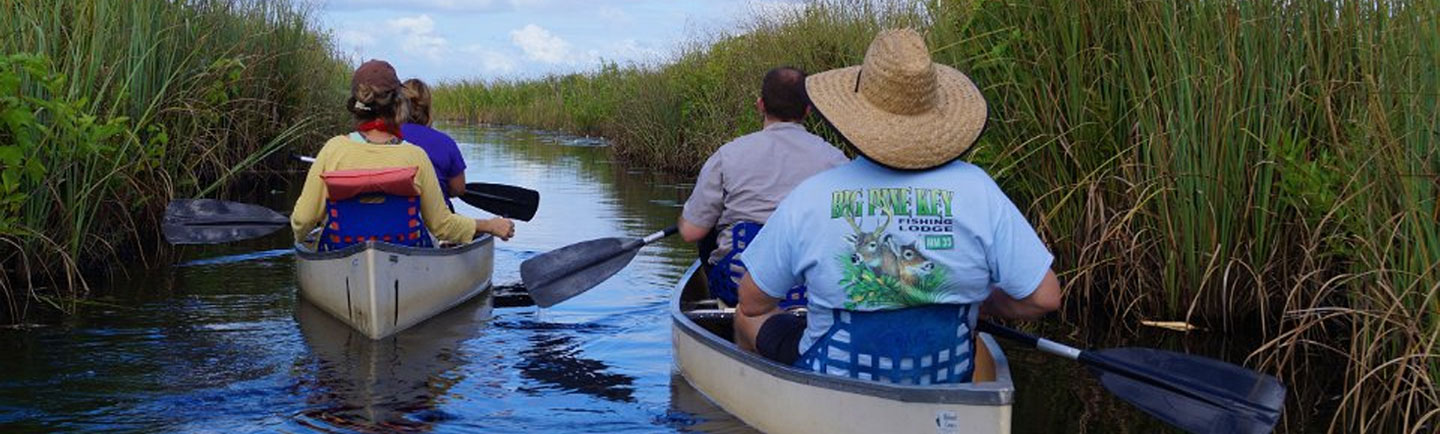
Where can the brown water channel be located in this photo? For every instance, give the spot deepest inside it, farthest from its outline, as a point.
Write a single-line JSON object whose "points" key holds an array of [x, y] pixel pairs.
{"points": [[219, 342]]}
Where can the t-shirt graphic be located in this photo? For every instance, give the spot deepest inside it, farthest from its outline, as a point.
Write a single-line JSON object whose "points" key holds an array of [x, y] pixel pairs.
{"points": [[883, 272]]}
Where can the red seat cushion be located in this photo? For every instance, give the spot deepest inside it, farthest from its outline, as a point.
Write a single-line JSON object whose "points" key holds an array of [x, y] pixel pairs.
{"points": [[345, 184]]}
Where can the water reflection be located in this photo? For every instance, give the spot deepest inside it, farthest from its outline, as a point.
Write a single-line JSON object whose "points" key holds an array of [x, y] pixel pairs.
{"points": [[191, 350], [583, 194], [691, 411], [556, 360], [390, 384]]}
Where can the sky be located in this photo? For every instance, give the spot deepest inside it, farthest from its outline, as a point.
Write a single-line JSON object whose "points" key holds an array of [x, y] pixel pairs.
{"points": [[447, 40]]}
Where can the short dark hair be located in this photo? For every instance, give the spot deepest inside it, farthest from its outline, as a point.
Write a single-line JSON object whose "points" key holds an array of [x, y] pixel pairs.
{"points": [[783, 93]]}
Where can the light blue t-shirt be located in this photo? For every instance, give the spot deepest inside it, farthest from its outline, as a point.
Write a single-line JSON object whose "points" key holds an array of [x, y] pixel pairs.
{"points": [[864, 237]]}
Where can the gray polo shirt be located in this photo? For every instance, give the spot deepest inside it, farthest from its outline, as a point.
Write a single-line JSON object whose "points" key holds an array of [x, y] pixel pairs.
{"points": [[746, 178]]}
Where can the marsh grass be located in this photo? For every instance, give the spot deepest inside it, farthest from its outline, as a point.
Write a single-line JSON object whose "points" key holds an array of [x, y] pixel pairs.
{"points": [[111, 108], [1257, 167]]}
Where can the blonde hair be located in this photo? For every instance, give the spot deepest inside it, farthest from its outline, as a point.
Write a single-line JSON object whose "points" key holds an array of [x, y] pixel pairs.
{"points": [[417, 94], [370, 102]]}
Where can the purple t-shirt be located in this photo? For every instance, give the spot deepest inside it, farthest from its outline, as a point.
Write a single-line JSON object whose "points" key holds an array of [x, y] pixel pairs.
{"points": [[444, 153]]}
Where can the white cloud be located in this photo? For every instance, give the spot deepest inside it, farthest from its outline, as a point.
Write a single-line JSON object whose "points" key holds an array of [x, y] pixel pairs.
{"points": [[489, 60], [422, 5], [354, 40], [632, 50], [540, 45], [417, 36], [452, 39]]}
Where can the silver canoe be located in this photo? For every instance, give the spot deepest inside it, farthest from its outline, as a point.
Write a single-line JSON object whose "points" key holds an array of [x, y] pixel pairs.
{"points": [[775, 398], [381, 288]]}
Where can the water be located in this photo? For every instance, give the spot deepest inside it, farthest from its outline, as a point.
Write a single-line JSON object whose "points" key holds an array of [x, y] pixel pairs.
{"points": [[219, 342]]}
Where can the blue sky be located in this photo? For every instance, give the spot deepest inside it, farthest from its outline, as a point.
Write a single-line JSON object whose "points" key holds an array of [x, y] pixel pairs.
{"points": [[439, 40]]}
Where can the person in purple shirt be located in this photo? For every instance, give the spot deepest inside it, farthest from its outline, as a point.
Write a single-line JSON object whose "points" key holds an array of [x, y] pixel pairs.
{"points": [[444, 153]]}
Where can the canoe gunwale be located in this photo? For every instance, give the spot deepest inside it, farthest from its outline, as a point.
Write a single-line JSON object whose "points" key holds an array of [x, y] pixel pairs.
{"points": [[303, 252], [1000, 392]]}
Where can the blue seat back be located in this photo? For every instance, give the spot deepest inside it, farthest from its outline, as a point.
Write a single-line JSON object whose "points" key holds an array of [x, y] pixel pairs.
{"points": [[724, 276], [374, 216], [918, 345]]}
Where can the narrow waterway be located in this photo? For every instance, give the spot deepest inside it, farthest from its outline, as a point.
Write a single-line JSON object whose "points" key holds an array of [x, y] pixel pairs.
{"points": [[219, 342]]}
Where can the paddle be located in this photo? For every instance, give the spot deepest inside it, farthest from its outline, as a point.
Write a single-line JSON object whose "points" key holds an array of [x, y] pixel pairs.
{"points": [[1193, 393], [503, 200], [208, 221], [560, 274]]}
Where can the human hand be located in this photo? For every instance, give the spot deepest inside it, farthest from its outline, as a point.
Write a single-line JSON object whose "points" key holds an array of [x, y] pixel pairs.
{"points": [[501, 227]]}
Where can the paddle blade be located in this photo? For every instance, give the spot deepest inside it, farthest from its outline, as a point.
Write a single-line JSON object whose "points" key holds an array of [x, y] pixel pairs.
{"points": [[560, 274], [208, 221], [1218, 397], [503, 200]]}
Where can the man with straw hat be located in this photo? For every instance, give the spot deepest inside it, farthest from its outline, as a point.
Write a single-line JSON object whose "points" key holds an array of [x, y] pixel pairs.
{"points": [[902, 249]]}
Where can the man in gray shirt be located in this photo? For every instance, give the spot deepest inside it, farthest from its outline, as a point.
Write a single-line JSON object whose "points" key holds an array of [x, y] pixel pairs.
{"points": [[745, 179]]}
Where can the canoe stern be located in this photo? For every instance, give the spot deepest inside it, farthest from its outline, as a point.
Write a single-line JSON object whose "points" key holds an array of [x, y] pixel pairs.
{"points": [[380, 288]]}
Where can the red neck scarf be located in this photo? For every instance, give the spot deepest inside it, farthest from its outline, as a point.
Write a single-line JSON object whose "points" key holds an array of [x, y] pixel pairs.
{"points": [[380, 125]]}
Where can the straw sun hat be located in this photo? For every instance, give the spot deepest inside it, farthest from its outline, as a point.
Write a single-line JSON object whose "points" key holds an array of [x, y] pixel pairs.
{"points": [[899, 108]]}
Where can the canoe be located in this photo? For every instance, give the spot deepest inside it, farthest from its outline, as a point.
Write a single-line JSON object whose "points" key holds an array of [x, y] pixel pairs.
{"points": [[380, 288], [776, 398]]}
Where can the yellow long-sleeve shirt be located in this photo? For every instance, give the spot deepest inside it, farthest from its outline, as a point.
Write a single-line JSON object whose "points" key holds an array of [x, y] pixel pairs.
{"points": [[344, 153]]}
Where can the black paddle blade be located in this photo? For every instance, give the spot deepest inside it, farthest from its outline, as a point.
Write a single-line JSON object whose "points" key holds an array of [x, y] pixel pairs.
{"points": [[560, 274], [1216, 397], [503, 200], [208, 221]]}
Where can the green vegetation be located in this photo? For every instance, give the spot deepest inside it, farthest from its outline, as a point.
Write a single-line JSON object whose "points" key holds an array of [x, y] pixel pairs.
{"points": [[110, 108], [1261, 167]]}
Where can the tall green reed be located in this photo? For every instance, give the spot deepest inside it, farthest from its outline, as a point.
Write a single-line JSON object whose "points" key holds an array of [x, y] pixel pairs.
{"points": [[1262, 167], [134, 103]]}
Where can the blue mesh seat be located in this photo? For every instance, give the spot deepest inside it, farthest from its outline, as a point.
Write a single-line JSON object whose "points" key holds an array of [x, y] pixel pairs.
{"points": [[373, 217], [917, 345], [724, 276]]}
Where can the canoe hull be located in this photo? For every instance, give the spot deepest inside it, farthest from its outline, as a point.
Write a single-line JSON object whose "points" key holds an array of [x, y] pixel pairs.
{"points": [[379, 288], [779, 399]]}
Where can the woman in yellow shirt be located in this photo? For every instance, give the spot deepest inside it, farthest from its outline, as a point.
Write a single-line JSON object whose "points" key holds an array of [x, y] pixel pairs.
{"points": [[376, 102]]}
